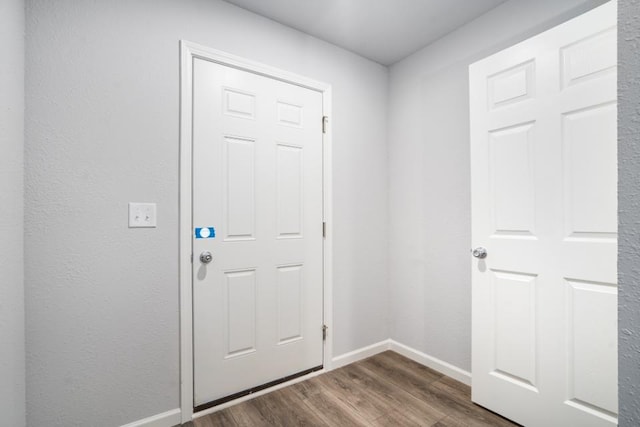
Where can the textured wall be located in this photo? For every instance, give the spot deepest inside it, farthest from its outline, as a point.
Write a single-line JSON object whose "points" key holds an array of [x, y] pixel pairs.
{"points": [[12, 381], [102, 130], [430, 210], [629, 212]]}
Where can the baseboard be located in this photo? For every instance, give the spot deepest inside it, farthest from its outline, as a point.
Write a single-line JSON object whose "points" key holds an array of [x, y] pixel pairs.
{"points": [[165, 419], [431, 362], [359, 354], [408, 352]]}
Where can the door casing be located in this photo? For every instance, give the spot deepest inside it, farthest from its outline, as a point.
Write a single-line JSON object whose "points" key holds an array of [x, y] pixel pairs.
{"points": [[189, 51]]}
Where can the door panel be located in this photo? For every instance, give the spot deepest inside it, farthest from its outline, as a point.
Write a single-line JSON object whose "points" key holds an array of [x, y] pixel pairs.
{"points": [[238, 198], [257, 179], [511, 168], [590, 171], [592, 323], [290, 191], [514, 306], [544, 205]]}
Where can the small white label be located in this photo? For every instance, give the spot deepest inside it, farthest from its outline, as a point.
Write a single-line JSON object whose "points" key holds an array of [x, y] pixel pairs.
{"points": [[142, 215]]}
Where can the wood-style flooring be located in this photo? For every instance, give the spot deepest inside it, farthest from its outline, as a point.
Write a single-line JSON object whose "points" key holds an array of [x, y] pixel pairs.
{"points": [[384, 390]]}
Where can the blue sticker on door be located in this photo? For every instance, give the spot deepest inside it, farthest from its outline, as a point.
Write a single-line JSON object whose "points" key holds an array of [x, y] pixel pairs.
{"points": [[205, 232]]}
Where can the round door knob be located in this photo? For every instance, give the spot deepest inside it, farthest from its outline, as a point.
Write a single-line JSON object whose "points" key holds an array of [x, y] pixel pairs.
{"points": [[206, 257], [479, 252]]}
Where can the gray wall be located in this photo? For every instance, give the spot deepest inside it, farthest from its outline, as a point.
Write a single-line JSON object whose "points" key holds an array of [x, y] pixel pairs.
{"points": [[430, 228], [629, 212], [102, 130], [12, 381]]}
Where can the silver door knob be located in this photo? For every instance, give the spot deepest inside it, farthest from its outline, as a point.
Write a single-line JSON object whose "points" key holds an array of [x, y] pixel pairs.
{"points": [[479, 252], [206, 257]]}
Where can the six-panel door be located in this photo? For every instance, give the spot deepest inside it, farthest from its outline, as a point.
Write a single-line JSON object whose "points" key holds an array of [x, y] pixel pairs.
{"points": [[544, 173], [257, 180]]}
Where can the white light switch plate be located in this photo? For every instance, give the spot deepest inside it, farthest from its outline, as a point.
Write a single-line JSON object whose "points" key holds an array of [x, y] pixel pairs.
{"points": [[142, 215]]}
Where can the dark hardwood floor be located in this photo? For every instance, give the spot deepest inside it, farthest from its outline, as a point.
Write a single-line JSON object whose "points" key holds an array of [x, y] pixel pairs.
{"points": [[383, 390]]}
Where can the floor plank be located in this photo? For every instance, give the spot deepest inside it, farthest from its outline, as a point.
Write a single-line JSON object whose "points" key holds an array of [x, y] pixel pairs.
{"points": [[391, 397], [449, 422], [246, 414], [340, 385], [384, 390], [445, 394], [288, 409], [397, 418], [333, 411], [218, 419], [307, 388]]}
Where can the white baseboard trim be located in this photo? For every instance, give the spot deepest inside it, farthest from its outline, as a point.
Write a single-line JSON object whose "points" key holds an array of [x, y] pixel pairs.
{"points": [[408, 352], [359, 354], [431, 362], [165, 419]]}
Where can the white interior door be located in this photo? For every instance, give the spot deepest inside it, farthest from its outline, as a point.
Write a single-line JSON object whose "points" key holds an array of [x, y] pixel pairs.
{"points": [[544, 205], [257, 208]]}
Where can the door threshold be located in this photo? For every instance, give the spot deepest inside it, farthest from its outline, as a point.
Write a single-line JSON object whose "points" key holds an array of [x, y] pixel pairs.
{"points": [[237, 397]]}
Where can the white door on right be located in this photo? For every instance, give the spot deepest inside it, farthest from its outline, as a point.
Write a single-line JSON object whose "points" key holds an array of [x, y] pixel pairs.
{"points": [[544, 206]]}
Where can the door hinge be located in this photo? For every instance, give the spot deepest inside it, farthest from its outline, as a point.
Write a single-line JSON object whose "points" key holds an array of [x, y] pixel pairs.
{"points": [[324, 332], [325, 122], [191, 258], [324, 229]]}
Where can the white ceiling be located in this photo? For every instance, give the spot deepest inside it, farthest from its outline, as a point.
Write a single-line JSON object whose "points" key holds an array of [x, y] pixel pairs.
{"points": [[382, 30]]}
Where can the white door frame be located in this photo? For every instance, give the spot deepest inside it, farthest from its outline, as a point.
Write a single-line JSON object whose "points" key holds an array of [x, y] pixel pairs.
{"points": [[188, 52]]}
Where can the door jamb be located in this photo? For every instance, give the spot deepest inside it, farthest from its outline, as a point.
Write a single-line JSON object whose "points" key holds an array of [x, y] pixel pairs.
{"points": [[188, 52]]}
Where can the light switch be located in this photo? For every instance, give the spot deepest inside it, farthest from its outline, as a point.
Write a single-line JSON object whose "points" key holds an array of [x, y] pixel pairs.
{"points": [[142, 215]]}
